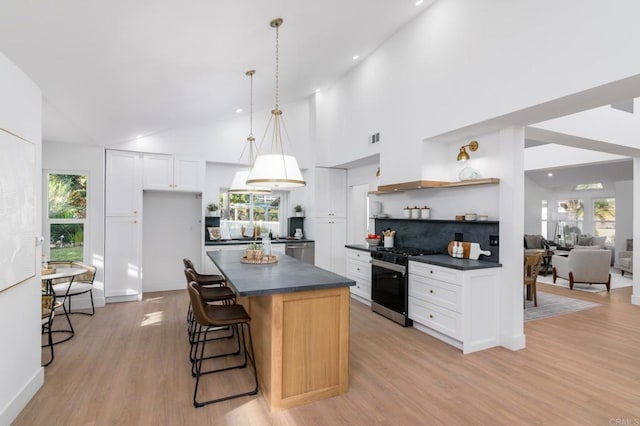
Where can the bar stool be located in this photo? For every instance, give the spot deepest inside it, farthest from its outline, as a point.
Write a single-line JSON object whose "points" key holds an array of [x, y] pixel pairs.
{"points": [[210, 295], [204, 279], [211, 317]]}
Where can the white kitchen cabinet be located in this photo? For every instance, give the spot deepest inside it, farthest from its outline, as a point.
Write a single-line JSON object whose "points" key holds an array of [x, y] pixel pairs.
{"points": [[330, 193], [123, 258], [359, 270], [123, 183], [455, 306], [330, 238], [169, 173], [123, 226]]}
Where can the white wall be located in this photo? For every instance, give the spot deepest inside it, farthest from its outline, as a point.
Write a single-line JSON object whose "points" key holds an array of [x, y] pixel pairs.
{"points": [[442, 72], [533, 196], [172, 230], [90, 160], [20, 372], [223, 142]]}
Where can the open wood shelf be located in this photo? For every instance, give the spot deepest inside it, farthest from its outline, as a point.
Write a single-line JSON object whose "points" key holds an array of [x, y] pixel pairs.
{"points": [[422, 184]]}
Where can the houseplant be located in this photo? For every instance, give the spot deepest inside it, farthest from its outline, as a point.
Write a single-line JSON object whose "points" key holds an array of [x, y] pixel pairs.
{"points": [[299, 210], [254, 251], [212, 209]]}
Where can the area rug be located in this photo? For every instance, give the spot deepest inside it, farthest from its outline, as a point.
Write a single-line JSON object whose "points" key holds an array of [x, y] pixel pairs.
{"points": [[552, 305], [617, 281]]}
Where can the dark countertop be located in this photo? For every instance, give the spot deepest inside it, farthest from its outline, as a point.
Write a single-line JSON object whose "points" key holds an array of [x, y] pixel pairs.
{"points": [[248, 241], [288, 275], [453, 263], [439, 259], [362, 247]]}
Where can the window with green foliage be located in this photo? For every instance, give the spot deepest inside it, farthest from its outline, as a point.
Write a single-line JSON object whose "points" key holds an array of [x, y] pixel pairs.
{"points": [[242, 210], [604, 218], [66, 215]]}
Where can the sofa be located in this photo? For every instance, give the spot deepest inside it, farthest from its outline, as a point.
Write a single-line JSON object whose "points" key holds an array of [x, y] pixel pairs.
{"points": [[591, 242], [583, 266]]}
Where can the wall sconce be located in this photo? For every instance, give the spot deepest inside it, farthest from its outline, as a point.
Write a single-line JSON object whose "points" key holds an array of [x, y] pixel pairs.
{"points": [[462, 155]]}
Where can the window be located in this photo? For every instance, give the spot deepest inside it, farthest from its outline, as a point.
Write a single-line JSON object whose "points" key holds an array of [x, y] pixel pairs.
{"points": [[66, 215], [587, 186], [570, 225], [242, 211], [604, 218]]}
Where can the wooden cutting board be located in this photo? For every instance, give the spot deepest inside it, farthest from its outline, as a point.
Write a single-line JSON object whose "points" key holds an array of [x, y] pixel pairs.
{"points": [[466, 246]]}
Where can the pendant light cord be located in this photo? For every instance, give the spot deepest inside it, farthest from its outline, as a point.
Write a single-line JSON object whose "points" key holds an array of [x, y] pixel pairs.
{"points": [[277, 65]]}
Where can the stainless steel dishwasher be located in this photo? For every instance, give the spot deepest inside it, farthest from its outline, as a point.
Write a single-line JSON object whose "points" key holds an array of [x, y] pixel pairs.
{"points": [[302, 251]]}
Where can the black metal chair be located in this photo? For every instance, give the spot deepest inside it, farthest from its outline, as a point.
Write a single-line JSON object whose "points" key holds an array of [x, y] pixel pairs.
{"points": [[211, 318]]}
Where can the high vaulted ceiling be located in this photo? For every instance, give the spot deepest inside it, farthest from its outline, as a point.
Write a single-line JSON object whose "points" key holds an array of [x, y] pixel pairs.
{"points": [[111, 70]]}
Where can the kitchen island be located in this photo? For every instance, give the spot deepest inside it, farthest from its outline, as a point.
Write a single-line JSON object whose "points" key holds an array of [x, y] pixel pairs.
{"points": [[300, 326]]}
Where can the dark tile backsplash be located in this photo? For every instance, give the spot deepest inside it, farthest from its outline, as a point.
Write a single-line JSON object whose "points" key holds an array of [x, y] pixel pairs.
{"points": [[436, 234]]}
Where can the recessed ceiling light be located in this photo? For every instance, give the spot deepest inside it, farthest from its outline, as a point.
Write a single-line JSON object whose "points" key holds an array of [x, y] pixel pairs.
{"points": [[138, 136], [419, 2], [239, 110], [550, 174], [355, 57], [317, 90]]}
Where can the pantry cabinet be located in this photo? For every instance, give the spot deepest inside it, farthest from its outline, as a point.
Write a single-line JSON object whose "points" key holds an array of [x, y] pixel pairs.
{"points": [[359, 270], [330, 239], [169, 173], [459, 307], [123, 226]]}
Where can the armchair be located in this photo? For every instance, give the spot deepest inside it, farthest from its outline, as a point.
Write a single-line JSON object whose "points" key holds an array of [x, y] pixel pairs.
{"points": [[583, 266], [625, 259]]}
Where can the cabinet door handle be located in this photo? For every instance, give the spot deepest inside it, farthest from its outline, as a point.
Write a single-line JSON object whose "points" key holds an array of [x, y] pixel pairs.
{"points": [[358, 269], [431, 291], [135, 212], [135, 221], [431, 271], [431, 316]]}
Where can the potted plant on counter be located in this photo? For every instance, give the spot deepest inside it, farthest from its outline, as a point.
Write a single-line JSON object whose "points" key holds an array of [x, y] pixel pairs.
{"points": [[212, 209], [254, 251], [298, 210]]}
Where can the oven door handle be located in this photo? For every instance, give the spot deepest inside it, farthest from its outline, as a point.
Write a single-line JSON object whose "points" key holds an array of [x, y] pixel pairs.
{"points": [[387, 265]]}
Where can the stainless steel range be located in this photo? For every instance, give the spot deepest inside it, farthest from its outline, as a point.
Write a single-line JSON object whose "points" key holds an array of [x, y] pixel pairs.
{"points": [[390, 281]]}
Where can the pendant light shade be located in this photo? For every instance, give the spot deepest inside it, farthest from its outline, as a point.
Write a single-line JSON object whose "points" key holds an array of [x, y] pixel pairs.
{"points": [[239, 184], [276, 170], [239, 181]]}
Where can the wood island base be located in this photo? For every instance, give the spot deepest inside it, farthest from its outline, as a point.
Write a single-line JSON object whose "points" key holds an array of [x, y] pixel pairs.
{"points": [[301, 343]]}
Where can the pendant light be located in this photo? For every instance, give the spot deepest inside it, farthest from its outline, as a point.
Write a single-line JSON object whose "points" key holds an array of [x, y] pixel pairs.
{"points": [[276, 170], [238, 183]]}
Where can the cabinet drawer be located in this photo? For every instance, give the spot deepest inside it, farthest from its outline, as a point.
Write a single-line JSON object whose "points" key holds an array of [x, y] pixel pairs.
{"points": [[437, 272], [362, 289], [435, 317], [359, 270], [436, 292], [363, 256]]}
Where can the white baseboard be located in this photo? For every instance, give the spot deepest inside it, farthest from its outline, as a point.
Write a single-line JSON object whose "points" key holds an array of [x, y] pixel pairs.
{"points": [[514, 343], [22, 398]]}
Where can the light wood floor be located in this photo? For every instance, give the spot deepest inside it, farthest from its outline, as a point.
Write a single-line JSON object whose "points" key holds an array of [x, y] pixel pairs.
{"points": [[128, 365]]}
